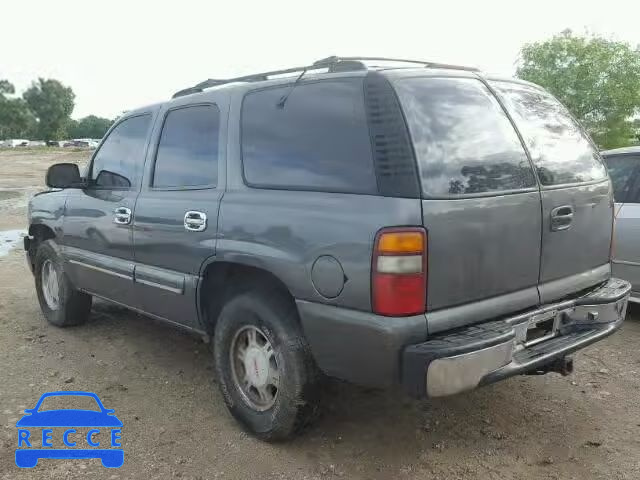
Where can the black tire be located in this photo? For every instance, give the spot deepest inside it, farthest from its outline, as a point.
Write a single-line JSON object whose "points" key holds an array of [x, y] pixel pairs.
{"points": [[296, 401], [74, 306]]}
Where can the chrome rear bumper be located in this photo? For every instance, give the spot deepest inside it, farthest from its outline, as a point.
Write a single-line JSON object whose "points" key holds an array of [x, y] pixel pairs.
{"points": [[485, 353]]}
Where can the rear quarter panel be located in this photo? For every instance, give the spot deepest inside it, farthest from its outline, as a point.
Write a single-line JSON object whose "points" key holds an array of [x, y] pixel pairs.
{"points": [[285, 231]]}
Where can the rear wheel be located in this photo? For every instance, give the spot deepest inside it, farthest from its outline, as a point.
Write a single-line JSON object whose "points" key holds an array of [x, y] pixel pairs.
{"points": [[60, 302], [264, 367]]}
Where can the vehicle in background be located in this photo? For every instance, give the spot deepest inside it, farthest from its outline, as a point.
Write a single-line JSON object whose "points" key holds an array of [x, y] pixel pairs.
{"points": [[82, 143], [421, 226], [13, 143], [624, 170]]}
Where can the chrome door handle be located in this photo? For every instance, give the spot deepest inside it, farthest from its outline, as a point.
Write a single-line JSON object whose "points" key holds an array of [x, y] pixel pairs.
{"points": [[122, 216], [561, 218], [195, 221]]}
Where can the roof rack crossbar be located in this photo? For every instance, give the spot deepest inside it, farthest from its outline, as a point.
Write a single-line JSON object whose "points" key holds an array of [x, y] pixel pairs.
{"points": [[332, 63]]}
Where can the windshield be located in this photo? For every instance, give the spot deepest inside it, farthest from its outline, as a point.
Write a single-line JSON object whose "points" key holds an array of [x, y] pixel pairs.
{"points": [[560, 149], [66, 402]]}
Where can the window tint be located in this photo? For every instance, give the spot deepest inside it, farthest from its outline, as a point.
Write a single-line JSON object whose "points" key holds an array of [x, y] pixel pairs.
{"points": [[118, 163], [559, 148], [318, 140], [188, 149], [463, 140], [620, 169]]}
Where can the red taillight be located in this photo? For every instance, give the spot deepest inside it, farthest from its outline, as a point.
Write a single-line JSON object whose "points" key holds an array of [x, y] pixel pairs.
{"points": [[399, 271]]}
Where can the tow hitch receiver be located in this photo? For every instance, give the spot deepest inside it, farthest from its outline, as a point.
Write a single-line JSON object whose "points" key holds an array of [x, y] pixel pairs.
{"points": [[563, 366]]}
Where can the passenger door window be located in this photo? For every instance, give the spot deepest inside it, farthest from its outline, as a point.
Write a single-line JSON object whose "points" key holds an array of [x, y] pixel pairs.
{"points": [[188, 148], [622, 170], [118, 163], [464, 141], [316, 139]]}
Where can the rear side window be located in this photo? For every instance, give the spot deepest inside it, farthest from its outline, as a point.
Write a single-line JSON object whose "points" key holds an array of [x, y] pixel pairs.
{"points": [[188, 148], [463, 140], [317, 140], [118, 163], [621, 169], [559, 148]]}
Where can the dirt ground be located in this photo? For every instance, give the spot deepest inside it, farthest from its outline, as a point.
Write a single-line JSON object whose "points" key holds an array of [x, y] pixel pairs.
{"points": [[161, 384]]}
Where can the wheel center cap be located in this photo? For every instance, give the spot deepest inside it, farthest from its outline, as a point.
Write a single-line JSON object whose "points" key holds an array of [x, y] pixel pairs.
{"points": [[256, 365]]}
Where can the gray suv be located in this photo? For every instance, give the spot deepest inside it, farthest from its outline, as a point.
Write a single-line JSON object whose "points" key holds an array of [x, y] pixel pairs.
{"points": [[390, 223]]}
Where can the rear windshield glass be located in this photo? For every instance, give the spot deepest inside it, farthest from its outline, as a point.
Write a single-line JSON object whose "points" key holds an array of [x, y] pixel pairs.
{"points": [[463, 140], [559, 147]]}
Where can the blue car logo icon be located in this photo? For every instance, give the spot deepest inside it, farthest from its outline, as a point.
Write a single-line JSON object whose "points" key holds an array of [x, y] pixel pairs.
{"points": [[69, 426]]}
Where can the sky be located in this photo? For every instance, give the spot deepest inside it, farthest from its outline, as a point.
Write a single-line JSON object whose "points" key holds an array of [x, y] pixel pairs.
{"points": [[119, 55]]}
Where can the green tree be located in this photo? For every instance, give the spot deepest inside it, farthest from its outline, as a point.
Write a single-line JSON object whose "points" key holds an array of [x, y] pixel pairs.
{"points": [[597, 79], [52, 104], [6, 88], [636, 129], [16, 120], [89, 127]]}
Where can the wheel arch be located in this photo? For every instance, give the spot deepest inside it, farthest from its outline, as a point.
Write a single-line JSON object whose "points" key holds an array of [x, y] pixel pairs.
{"points": [[228, 278], [39, 233]]}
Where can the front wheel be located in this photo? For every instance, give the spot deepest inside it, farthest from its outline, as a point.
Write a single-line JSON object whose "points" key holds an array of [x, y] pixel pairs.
{"points": [[60, 302], [264, 367]]}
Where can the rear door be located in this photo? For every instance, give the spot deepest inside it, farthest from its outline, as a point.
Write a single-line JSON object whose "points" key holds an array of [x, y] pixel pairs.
{"points": [[176, 215], [481, 202], [624, 173], [577, 203]]}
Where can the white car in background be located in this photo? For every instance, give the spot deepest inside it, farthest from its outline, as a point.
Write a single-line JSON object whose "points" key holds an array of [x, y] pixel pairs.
{"points": [[85, 142], [624, 170], [15, 142]]}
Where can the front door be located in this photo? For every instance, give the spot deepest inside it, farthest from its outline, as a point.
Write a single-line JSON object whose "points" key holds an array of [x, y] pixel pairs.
{"points": [[97, 225], [577, 205], [176, 215], [624, 170]]}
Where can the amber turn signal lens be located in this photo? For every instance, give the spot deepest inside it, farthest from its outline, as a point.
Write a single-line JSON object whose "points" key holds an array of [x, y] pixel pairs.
{"points": [[401, 242]]}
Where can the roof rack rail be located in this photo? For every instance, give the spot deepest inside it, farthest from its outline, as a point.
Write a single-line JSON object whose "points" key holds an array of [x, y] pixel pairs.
{"points": [[257, 77], [334, 60], [333, 64]]}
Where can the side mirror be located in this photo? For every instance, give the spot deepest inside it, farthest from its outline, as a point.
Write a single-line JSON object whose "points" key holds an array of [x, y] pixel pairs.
{"points": [[64, 175], [109, 179]]}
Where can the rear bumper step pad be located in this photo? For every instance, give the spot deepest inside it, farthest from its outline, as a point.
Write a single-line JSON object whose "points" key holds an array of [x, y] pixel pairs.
{"points": [[485, 353]]}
